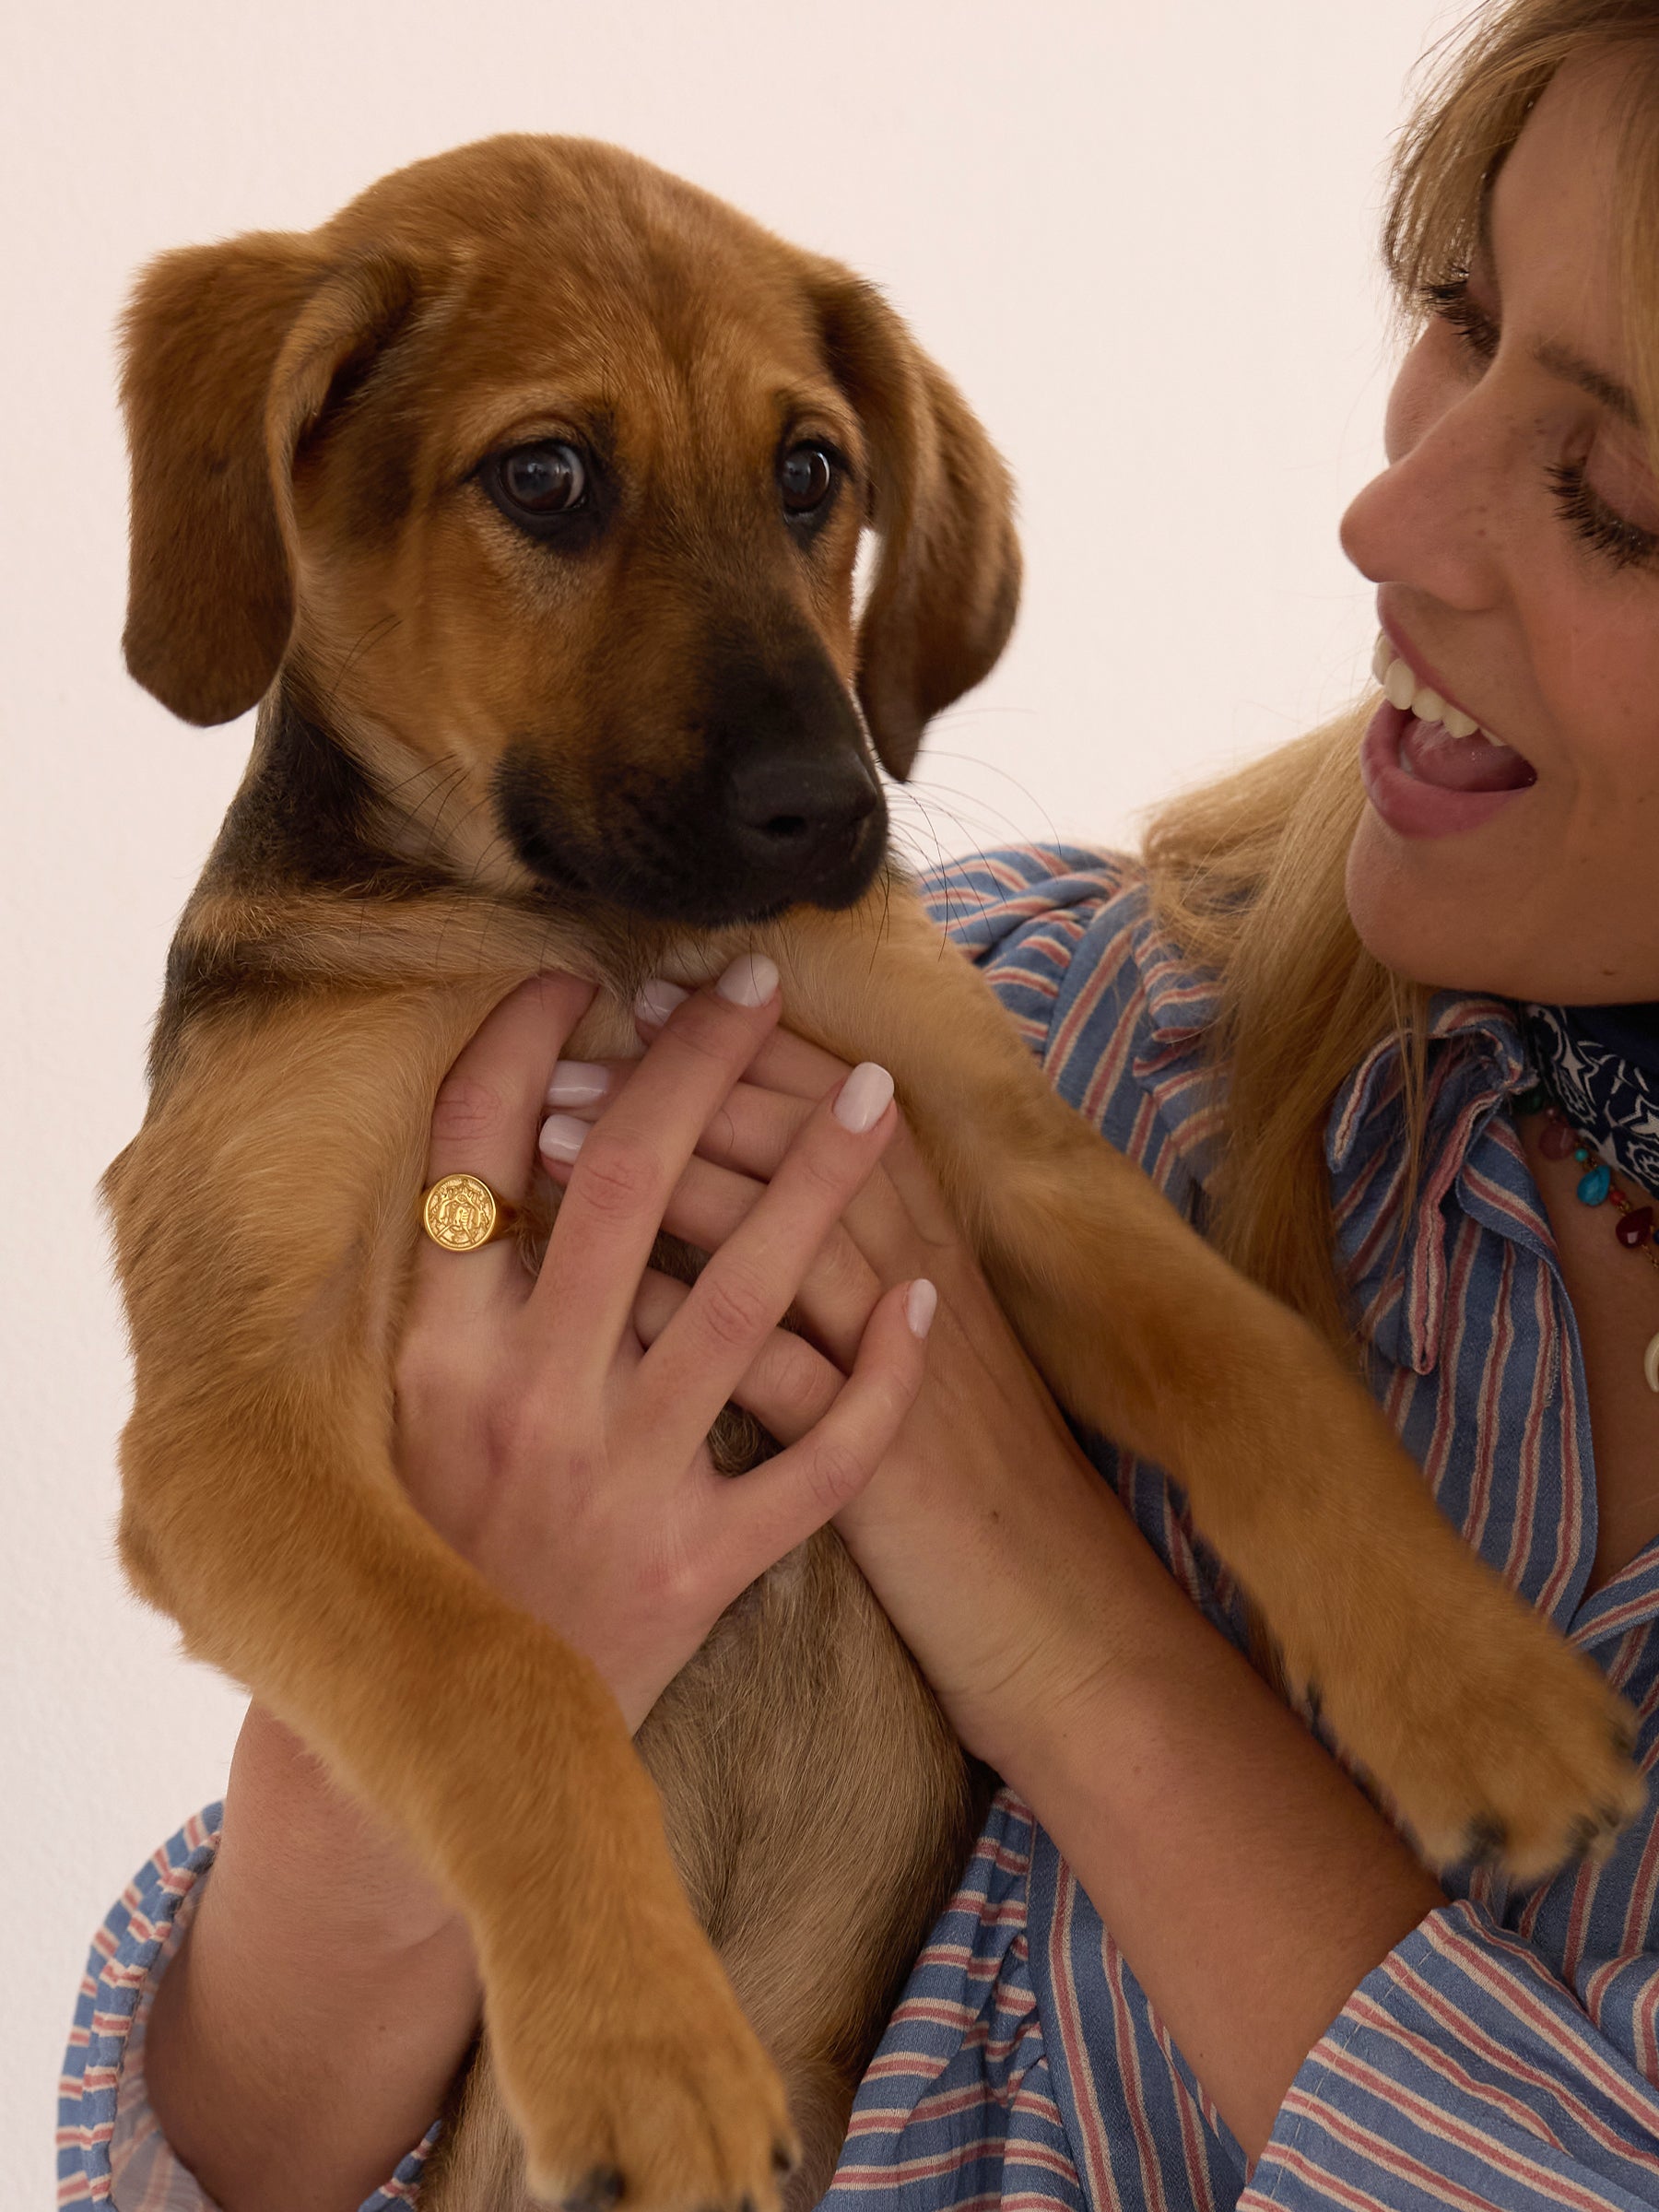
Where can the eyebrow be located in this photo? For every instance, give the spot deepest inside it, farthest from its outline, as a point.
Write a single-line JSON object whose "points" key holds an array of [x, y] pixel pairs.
{"points": [[1558, 361], [1555, 360]]}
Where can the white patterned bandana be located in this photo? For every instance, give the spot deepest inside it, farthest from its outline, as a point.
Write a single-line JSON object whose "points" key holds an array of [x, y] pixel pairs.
{"points": [[1601, 1065]]}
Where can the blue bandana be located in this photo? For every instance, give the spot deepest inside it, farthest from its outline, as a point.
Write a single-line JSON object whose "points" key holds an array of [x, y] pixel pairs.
{"points": [[1601, 1065]]}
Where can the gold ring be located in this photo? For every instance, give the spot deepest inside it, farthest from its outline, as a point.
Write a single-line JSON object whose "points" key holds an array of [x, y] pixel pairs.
{"points": [[461, 1213]]}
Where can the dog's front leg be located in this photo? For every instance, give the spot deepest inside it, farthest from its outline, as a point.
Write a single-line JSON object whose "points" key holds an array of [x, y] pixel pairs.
{"points": [[1484, 1727], [264, 1218]]}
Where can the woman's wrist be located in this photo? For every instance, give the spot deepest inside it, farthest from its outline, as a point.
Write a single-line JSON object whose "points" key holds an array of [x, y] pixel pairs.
{"points": [[292, 1833], [321, 2001], [1245, 1879]]}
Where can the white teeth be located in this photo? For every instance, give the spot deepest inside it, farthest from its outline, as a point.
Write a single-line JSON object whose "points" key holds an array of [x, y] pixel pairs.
{"points": [[1403, 690]]}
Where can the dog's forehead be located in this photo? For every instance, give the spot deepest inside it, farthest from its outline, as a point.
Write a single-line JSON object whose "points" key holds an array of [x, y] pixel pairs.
{"points": [[670, 342], [570, 272]]}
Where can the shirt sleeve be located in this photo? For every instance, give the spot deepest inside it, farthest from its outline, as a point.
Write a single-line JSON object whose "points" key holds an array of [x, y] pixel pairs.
{"points": [[110, 2148], [1066, 938], [1462, 2073]]}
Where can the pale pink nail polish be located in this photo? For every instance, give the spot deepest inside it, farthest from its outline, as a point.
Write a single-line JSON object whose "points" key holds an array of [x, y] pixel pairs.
{"points": [[656, 1001], [921, 1303], [750, 981], [578, 1083], [864, 1097], [562, 1136]]}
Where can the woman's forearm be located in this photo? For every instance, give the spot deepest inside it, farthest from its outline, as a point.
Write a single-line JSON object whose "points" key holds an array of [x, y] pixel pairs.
{"points": [[321, 2002], [1249, 1884]]}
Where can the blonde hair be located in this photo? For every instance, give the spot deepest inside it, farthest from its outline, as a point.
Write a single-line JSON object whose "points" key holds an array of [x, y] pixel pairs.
{"points": [[1249, 872]]}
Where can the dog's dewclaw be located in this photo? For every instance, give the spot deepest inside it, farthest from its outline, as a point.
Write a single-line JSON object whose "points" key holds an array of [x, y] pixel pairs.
{"points": [[652, 2080]]}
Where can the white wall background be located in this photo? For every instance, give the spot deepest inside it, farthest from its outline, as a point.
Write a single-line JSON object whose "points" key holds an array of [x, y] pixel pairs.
{"points": [[1140, 235]]}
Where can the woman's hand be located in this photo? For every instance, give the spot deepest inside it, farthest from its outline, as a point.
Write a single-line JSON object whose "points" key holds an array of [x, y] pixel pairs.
{"points": [[559, 1442], [1248, 1883], [983, 1532]]}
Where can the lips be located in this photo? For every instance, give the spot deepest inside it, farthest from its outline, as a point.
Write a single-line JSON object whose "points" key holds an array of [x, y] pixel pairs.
{"points": [[1430, 752], [1429, 767], [1418, 804]]}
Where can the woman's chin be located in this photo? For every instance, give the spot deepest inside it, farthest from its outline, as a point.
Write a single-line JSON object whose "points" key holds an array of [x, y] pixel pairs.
{"points": [[1491, 928], [1415, 917]]}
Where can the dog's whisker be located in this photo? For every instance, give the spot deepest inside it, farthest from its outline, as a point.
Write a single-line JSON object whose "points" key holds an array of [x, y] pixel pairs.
{"points": [[972, 812], [437, 803], [376, 631], [404, 784]]}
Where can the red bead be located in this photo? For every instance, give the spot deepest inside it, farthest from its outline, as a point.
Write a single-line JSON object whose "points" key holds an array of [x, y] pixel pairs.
{"points": [[1557, 1140], [1635, 1228]]}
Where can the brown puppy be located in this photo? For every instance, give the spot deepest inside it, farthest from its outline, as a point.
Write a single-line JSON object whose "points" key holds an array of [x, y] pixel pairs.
{"points": [[526, 493]]}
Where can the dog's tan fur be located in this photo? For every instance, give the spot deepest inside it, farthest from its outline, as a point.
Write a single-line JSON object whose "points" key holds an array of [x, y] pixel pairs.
{"points": [[307, 414]]}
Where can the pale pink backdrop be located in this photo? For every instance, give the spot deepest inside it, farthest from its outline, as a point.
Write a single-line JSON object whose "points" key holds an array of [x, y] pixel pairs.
{"points": [[1140, 236]]}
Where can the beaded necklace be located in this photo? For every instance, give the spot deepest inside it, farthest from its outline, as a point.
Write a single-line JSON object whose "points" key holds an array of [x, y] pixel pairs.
{"points": [[1635, 1225]]}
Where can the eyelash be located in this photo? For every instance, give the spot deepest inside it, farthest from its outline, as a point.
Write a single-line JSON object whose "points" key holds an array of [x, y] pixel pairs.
{"points": [[1626, 544]]}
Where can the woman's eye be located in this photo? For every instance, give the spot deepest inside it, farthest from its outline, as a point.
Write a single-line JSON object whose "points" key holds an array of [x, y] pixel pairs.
{"points": [[537, 481], [804, 475], [1627, 544], [1452, 303]]}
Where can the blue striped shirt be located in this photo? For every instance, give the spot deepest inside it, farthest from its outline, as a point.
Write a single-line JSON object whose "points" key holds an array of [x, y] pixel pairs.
{"points": [[1506, 2054]]}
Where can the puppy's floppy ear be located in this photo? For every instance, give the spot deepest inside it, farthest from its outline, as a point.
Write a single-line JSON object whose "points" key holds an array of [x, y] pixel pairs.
{"points": [[230, 352], [946, 585]]}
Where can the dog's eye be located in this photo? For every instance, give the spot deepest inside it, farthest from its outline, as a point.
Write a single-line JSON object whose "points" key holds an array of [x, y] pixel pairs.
{"points": [[540, 480], [804, 475]]}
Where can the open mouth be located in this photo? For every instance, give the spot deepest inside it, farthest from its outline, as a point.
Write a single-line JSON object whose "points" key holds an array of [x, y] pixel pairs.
{"points": [[1429, 769]]}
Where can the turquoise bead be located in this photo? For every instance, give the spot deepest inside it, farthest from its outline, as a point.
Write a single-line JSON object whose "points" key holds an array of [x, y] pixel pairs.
{"points": [[1593, 1188]]}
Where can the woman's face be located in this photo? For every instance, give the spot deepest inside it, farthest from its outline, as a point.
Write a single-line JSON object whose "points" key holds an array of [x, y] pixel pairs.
{"points": [[1516, 536]]}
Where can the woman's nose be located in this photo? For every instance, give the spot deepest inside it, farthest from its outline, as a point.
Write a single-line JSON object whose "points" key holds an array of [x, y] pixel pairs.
{"points": [[1435, 519]]}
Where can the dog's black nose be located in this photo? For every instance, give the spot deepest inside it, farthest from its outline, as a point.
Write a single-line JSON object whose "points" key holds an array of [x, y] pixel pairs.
{"points": [[804, 813]]}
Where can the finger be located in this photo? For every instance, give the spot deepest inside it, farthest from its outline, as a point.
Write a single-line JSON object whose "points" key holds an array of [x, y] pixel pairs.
{"points": [[788, 1387], [788, 1062], [839, 1288], [898, 1221], [631, 1158], [760, 1118], [484, 1124], [872, 1247], [751, 1128], [587, 1087], [752, 1280], [784, 1500]]}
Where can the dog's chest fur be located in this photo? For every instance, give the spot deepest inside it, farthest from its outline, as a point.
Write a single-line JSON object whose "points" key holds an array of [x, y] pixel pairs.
{"points": [[818, 1806], [816, 1866]]}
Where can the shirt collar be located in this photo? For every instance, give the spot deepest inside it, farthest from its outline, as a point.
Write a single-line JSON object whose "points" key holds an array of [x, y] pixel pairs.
{"points": [[1476, 1058]]}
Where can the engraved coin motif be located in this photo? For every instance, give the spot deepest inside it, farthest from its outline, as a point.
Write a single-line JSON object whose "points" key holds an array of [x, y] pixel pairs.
{"points": [[459, 1213]]}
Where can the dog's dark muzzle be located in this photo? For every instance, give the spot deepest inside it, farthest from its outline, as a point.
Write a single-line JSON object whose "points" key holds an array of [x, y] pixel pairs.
{"points": [[779, 804], [802, 827]]}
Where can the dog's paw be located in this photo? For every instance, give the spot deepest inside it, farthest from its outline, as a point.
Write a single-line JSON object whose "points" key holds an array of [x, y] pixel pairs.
{"points": [[636, 2081], [1495, 1741]]}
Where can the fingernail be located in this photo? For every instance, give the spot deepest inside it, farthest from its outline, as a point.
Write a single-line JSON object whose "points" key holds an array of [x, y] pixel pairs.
{"points": [[656, 1001], [562, 1136], [864, 1097], [921, 1303], [750, 981], [578, 1083]]}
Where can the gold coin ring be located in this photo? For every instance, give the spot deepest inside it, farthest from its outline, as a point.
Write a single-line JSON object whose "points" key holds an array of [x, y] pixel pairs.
{"points": [[461, 1213]]}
